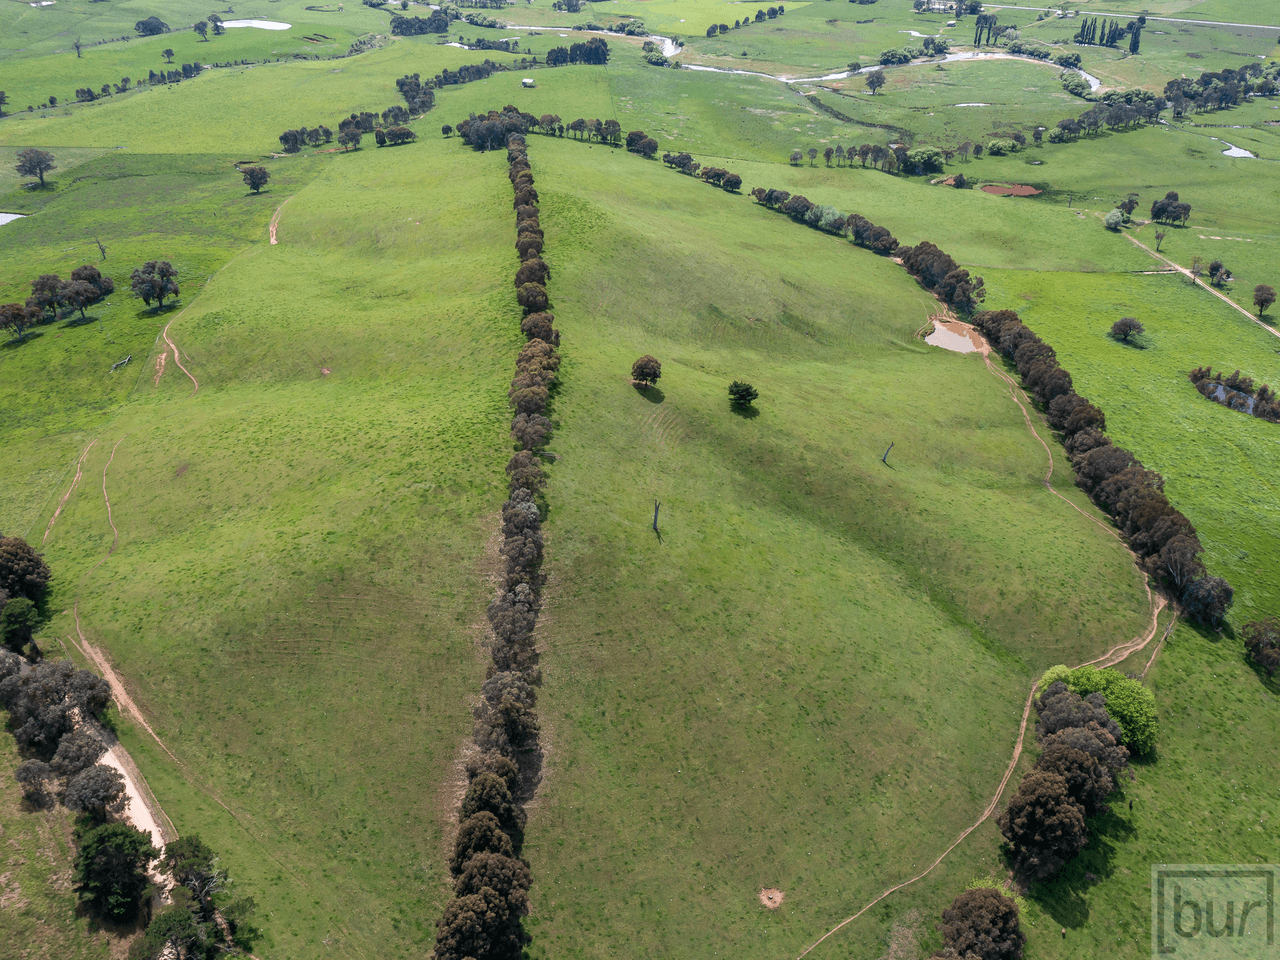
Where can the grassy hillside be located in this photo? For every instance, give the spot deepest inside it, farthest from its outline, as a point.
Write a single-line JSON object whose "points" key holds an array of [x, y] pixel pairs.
{"points": [[300, 558], [821, 649], [1219, 465]]}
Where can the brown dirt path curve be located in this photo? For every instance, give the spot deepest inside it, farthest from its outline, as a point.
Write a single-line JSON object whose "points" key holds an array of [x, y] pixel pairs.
{"points": [[275, 220], [176, 359], [1111, 657], [71, 489]]}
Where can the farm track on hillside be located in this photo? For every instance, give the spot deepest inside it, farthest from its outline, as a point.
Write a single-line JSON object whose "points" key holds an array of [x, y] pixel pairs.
{"points": [[1111, 657]]}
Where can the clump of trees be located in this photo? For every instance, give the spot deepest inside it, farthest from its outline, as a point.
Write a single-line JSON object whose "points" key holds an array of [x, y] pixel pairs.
{"points": [[594, 51], [291, 141], [685, 163], [1237, 392], [151, 27], [51, 296], [1045, 822], [640, 142], [1170, 210], [1164, 539]]}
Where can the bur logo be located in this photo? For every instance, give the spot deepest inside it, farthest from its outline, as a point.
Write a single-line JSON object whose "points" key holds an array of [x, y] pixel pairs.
{"points": [[1207, 912]]}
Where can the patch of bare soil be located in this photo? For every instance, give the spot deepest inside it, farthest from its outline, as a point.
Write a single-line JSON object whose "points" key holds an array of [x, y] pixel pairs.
{"points": [[1010, 190], [772, 897], [904, 938]]}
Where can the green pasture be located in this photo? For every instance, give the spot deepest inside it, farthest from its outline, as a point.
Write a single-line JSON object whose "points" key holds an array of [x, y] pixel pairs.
{"points": [[298, 579], [1219, 466], [807, 659], [30, 33], [1209, 797]]}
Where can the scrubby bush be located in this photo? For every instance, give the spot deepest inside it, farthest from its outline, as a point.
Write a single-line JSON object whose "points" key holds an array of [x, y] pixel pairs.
{"points": [[22, 572], [1128, 702], [1262, 640]]}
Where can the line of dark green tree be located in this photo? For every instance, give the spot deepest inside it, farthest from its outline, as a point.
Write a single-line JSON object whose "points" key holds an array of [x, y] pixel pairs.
{"points": [[491, 882], [1237, 392], [1116, 480], [57, 716], [761, 15], [934, 269], [720, 177], [1109, 33], [1081, 762]]}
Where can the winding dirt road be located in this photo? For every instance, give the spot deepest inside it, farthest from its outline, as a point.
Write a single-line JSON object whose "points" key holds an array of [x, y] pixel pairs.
{"points": [[1115, 655]]}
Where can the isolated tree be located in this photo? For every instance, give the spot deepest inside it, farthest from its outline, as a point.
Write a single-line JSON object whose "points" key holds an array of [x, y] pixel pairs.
{"points": [[78, 750], [202, 28], [22, 571], [742, 395], [1263, 297], [1262, 640], [168, 55], [813, 155], [256, 177], [18, 621], [17, 317], [1160, 235], [154, 280], [95, 791], [1113, 220], [646, 371], [1043, 825], [4, 100], [875, 80], [1123, 328], [111, 870], [1197, 268], [1219, 275], [35, 163], [982, 924], [796, 157]]}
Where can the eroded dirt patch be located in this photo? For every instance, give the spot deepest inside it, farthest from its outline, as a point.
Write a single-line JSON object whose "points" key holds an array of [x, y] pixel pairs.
{"points": [[1010, 190], [772, 897]]}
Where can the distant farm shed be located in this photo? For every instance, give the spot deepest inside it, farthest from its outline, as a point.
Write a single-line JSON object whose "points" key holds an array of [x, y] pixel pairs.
{"points": [[527, 82]]}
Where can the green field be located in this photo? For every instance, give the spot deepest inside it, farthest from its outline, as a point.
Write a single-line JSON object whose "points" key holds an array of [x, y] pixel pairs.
{"points": [[814, 679]]}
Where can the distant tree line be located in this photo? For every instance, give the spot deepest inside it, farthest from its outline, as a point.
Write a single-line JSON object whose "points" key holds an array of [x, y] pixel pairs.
{"points": [[1095, 31], [1114, 478], [1237, 392], [1081, 762], [720, 177], [761, 15], [51, 295], [594, 51], [491, 883]]}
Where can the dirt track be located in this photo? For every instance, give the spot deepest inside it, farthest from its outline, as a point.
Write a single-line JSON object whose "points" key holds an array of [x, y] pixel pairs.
{"points": [[1111, 657]]}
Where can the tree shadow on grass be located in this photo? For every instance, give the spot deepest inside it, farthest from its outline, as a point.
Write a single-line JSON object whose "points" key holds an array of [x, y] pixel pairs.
{"points": [[650, 393], [746, 413], [1130, 343], [1066, 896], [78, 322], [25, 338]]}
